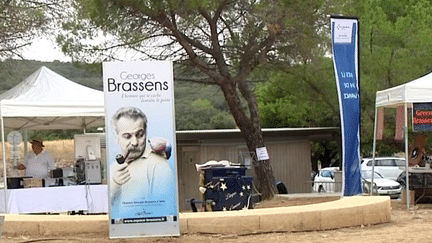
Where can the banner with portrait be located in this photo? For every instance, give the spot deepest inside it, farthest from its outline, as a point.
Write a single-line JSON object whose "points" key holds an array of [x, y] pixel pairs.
{"points": [[345, 59], [141, 144]]}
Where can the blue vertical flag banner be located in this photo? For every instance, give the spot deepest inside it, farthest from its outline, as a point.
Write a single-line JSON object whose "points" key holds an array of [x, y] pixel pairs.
{"points": [[346, 66], [141, 149]]}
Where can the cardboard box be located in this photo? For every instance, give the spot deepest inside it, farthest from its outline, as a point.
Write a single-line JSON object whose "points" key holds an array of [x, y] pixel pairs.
{"points": [[32, 182]]}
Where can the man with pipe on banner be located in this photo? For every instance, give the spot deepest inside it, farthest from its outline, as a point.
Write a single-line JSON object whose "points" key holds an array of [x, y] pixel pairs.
{"points": [[140, 129]]}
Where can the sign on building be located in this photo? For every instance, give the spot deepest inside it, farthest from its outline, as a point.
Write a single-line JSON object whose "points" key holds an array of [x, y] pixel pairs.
{"points": [[422, 117]]}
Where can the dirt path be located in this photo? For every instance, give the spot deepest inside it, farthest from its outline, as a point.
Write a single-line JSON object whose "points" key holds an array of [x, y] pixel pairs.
{"points": [[413, 225]]}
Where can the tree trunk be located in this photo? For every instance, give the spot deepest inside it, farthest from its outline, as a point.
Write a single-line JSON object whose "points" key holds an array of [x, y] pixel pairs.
{"points": [[265, 179], [264, 176], [232, 88], [251, 132]]}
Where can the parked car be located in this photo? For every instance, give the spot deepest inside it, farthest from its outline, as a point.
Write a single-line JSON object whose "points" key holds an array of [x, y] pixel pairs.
{"points": [[324, 181], [388, 167], [383, 186]]}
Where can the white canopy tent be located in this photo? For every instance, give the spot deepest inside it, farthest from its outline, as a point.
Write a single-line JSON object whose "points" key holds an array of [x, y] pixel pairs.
{"points": [[416, 91], [47, 100]]}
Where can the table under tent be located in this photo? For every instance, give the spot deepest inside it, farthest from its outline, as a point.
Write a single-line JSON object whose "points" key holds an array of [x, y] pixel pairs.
{"points": [[46, 100], [402, 98]]}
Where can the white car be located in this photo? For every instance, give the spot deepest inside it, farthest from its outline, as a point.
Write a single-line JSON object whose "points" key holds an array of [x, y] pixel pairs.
{"points": [[388, 167], [324, 181], [383, 186]]}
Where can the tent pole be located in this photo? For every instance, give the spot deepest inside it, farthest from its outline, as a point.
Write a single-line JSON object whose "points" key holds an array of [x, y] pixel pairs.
{"points": [[4, 165], [25, 143], [406, 156], [374, 151]]}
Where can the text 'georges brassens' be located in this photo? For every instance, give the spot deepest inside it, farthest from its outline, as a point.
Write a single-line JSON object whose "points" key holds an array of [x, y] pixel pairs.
{"points": [[136, 82]]}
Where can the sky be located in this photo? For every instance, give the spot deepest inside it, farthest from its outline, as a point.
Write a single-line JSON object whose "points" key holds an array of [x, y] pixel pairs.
{"points": [[44, 50]]}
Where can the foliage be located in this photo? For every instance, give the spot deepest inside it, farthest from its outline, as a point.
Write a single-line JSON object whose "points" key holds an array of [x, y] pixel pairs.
{"points": [[325, 153], [395, 48], [225, 40], [22, 20], [14, 71], [303, 96], [235, 43], [396, 42], [201, 117], [200, 106], [395, 38], [212, 114], [48, 135]]}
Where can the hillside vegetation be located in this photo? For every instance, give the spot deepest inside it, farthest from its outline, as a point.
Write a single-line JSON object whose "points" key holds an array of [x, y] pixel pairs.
{"points": [[197, 106]]}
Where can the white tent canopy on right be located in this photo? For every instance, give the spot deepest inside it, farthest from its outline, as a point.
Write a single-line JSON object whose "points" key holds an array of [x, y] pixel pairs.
{"points": [[402, 97], [416, 91]]}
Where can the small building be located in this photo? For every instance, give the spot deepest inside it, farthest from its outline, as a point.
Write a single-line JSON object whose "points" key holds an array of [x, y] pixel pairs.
{"points": [[289, 150]]}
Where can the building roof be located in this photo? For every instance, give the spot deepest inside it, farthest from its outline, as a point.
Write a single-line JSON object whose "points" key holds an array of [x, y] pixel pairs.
{"points": [[315, 133]]}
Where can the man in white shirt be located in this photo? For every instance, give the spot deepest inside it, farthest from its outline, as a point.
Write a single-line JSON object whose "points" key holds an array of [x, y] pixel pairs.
{"points": [[39, 163]]}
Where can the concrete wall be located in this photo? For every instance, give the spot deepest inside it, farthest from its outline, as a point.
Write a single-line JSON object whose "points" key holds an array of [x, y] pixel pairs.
{"points": [[347, 212], [291, 162]]}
